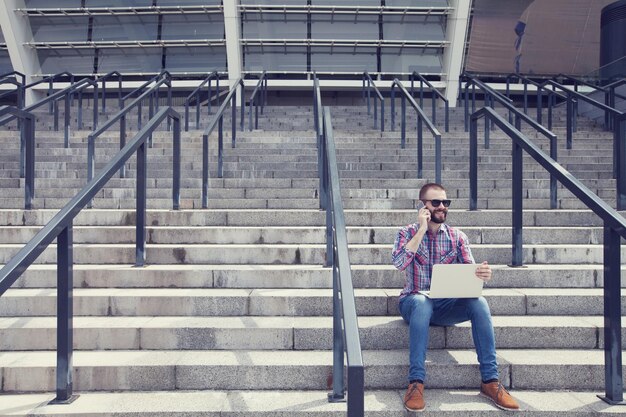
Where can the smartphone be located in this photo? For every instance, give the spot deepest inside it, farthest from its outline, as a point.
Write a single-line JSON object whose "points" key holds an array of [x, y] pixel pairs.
{"points": [[420, 205]]}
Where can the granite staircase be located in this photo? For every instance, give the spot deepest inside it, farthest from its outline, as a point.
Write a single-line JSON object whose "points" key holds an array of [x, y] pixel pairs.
{"points": [[233, 314]]}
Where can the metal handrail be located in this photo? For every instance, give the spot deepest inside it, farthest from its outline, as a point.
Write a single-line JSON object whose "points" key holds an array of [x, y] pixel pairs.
{"points": [[434, 92], [218, 120], [607, 94], [370, 85], [346, 337], [121, 117], [11, 78], [540, 87], [61, 229], [490, 96], [253, 101], [50, 80], [619, 135], [66, 93], [196, 94], [421, 119], [27, 151], [163, 74], [614, 230], [119, 88], [319, 123]]}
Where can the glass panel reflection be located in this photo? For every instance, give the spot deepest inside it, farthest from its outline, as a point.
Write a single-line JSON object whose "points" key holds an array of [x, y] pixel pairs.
{"points": [[125, 28], [343, 59], [130, 60], [193, 26], [201, 60], [274, 58]]}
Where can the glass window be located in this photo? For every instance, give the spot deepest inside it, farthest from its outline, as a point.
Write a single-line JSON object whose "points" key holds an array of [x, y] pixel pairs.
{"points": [[60, 29], [340, 26], [274, 26], [343, 59], [345, 3], [46, 4], [76, 61], [407, 60], [274, 58], [125, 28], [130, 60], [188, 3], [193, 26], [204, 59], [422, 3], [118, 3], [414, 27], [282, 2], [5, 62]]}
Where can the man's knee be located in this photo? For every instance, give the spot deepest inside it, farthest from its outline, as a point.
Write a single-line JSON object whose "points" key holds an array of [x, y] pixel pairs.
{"points": [[417, 305], [478, 306]]}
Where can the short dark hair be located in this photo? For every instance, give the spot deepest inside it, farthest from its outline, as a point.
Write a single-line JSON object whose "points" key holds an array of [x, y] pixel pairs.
{"points": [[430, 186]]}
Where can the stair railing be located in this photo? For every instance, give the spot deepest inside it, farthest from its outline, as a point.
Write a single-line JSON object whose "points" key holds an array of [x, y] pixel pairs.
{"points": [[257, 99], [66, 94], [27, 150], [603, 89], [346, 340], [152, 97], [614, 231], [434, 95], [61, 229], [368, 85], [195, 95], [619, 135], [421, 119], [318, 122], [121, 117], [51, 80], [492, 96], [12, 78], [552, 96], [103, 89], [218, 121]]}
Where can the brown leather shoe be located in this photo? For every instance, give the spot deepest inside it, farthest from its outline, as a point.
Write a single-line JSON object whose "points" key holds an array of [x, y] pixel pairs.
{"points": [[496, 392], [414, 397]]}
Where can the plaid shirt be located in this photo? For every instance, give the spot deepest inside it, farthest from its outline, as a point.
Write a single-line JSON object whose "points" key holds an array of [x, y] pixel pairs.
{"points": [[450, 245]]}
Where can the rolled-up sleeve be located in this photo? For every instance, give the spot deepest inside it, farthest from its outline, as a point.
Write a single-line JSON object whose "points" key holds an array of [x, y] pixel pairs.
{"points": [[464, 252], [401, 256]]}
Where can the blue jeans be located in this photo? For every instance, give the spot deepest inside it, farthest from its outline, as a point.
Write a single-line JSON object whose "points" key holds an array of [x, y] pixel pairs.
{"points": [[420, 312]]}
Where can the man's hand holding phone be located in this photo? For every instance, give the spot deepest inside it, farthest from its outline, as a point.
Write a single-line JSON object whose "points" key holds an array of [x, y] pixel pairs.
{"points": [[423, 215]]}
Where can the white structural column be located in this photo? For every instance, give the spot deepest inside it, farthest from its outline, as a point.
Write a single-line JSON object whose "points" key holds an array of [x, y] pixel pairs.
{"points": [[456, 35], [232, 29], [16, 30]]}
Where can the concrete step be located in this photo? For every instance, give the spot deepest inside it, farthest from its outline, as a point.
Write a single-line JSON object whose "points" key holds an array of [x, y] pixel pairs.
{"points": [[254, 403], [242, 217], [27, 302], [294, 276], [542, 369], [299, 253], [290, 333], [294, 234]]}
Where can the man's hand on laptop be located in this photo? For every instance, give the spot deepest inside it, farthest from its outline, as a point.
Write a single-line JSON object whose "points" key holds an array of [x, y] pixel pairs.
{"points": [[483, 271]]}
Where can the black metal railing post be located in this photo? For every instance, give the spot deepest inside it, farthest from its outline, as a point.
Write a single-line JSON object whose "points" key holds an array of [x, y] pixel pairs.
{"points": [[619, 126], [613, 381], [65, 317], [218, 121], [517, 257], [140, 235]]}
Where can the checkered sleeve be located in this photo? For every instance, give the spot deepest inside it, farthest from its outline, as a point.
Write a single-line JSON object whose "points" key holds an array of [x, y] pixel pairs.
{"points": [[464, 253], [401, 257]]}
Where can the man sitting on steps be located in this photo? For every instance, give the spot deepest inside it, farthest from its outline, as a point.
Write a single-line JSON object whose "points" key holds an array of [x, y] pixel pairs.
{"points": [[417, 247]]}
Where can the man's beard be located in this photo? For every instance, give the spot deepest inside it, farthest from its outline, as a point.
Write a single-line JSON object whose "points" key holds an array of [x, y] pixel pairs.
{"points": [[440, 219]]}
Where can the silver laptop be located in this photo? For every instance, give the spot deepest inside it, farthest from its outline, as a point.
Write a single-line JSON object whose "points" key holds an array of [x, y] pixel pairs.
{"points": [[454, 281]]}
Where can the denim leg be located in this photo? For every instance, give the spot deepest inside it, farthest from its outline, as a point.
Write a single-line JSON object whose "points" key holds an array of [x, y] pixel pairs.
{"points": [[449, 312], [417, 310]]}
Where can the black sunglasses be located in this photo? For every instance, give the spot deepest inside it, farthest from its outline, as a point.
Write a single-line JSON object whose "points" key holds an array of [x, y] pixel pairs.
{"points": [[437, 202]]}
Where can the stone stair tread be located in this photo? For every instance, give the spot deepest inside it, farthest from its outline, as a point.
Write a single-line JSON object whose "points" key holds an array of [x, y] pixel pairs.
{"points": [[248, 403]]}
